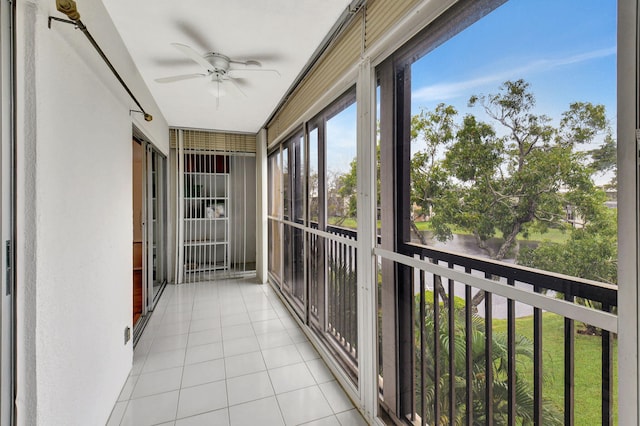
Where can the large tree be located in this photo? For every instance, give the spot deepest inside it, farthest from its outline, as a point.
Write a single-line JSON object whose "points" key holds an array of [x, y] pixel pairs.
{"points": [[506, 176]]}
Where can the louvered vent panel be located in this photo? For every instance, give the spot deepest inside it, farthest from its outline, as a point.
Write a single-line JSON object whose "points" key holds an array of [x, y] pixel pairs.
{"points": [[343, 54], [381, 15], [214, 141]]}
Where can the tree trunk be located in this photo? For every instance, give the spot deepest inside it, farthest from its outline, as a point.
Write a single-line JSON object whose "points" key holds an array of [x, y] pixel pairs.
{"points": [[437, 279], [499, 255]]}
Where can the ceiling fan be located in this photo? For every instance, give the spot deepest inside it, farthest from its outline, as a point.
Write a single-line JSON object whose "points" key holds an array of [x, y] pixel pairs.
{"points": [[222, 71]]}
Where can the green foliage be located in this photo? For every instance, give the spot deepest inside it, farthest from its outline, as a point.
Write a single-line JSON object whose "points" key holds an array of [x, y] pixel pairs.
{"points": [[499, 364], [604, 158], [506, 177], [590, 252], [348, 186], [587, 369]]}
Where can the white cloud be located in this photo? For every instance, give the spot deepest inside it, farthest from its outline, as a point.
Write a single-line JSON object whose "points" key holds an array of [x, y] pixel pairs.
{"points": [[444, 91]]}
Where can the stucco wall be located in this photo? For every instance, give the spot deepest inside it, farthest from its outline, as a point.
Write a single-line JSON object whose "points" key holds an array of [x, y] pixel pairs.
{"points": [[75, 215]]}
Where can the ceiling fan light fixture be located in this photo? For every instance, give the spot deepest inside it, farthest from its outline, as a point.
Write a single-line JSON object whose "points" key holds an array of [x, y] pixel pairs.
{"points": [[217, 89]]}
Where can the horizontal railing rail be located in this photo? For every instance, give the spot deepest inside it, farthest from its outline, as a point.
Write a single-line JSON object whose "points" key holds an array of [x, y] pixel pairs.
{"points": [[577, 287]]}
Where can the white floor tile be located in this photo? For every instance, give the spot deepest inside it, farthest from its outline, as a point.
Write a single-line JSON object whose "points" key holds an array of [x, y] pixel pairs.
{"points": [[303, 405], [239, 331], [291, 377], [241, 346], [138, 363], [307, 351], [203, 372], [249, 388], [204, 324], [169, 343], [205, 313], [263, 315], [281, 356], [320, 371], [151, 410], [143, 347], [117, 413], [201, 399], [163, 360], [239, 365], [297, 335], [185, 306], [234, 306], [274, 340], [128, 388], [235, 319], [204, 353], [176, 317], [336, 397], [157, 382], [173, 329], [325, 421], [204, 337], [212, 418], [351, 418], [228, 353], [257, 303], [268, 326], [289, 322], [264, 412]]}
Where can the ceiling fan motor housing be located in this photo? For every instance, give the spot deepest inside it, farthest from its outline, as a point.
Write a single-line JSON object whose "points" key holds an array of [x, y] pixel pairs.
{"points": [[220, 63]]}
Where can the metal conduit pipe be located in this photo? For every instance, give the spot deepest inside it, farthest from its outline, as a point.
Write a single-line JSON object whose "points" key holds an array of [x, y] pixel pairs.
{"points": [[69, 8]]}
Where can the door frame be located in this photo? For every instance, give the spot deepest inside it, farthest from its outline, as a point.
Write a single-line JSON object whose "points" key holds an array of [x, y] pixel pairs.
{"points": [[8, 311], [162, 213], [149, 298]]}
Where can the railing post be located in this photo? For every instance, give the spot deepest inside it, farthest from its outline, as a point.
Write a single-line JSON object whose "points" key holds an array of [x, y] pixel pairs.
{"points": [[569, 367], [607, 375]]}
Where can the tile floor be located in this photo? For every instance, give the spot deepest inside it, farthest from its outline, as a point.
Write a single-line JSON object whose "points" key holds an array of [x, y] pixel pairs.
{"points": [[228, 353]]}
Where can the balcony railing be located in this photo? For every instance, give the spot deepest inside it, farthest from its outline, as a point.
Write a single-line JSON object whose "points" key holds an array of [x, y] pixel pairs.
{"points": [[342, 274], [333, 301], [485, 341], [471, 368]]}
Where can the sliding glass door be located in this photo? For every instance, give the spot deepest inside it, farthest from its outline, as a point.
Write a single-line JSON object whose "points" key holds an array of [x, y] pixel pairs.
{"points": [[156, 232], [149, 230]]}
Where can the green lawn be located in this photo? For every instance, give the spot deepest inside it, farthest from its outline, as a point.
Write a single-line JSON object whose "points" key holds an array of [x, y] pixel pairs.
{"points": [[587, 366], [553, 235]]}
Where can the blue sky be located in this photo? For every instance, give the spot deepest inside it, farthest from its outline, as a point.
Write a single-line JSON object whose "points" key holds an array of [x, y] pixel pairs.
{"points": [[565, 49]]}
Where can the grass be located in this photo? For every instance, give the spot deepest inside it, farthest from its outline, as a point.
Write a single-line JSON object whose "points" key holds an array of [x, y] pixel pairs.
{"points": [[587, 370], [553, 235]]}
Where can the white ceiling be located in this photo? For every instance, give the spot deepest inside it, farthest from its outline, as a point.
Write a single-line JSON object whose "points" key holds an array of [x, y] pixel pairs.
{"points": [[280, 34]]}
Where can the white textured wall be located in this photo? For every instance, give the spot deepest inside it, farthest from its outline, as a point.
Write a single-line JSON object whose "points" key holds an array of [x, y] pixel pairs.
{"points": [[75, 213]]}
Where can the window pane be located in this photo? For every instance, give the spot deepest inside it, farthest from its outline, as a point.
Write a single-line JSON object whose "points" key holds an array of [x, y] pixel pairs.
{"points": [[297, 151], [341, 168], [275, 209], [313, 176], [275, 179], [286, 193], [513, 150]]}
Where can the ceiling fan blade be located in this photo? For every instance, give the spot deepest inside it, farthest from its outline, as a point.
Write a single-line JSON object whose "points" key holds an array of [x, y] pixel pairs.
{"points": [[236, 86], [245, 72], [249, 63], [196, 36], [179, 78], [195, 56]]}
